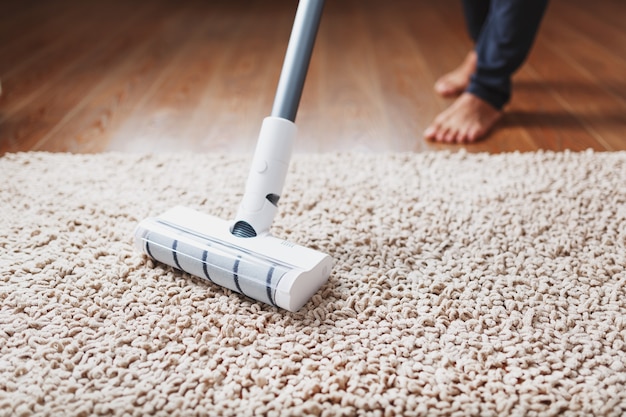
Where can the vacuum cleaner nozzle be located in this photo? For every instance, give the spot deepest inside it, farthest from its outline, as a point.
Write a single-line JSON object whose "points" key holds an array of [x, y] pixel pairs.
{"points": [[265, 268]]}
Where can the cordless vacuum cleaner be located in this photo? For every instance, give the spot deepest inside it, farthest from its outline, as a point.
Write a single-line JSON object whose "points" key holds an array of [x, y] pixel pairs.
{"points": [[241, 254]]}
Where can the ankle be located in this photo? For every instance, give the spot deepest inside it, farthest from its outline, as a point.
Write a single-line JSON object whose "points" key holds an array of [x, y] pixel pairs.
{"points": [[470, 62]]}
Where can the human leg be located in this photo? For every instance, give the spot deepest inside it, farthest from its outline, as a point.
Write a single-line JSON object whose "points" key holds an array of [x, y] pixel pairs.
{"points": [[503, 44], [456, 81], [475, 13]]}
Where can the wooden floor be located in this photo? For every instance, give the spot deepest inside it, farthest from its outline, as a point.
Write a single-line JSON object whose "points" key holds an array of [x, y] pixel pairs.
{"points": [[199, 75]]}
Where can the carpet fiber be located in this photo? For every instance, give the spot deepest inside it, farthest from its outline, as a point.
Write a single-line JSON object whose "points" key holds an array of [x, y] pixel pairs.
{"points": [[463, 285]]}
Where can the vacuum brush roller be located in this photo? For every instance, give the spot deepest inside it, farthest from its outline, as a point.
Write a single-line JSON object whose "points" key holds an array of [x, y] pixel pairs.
{"points": [[264, 268]]}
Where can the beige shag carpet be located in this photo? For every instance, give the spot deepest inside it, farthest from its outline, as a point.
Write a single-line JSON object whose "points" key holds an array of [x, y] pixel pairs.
{"points": [[482, 285]]}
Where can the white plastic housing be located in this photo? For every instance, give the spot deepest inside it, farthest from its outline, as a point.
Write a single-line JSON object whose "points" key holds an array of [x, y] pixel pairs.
{"points": [[267, 174], [265, 268]]}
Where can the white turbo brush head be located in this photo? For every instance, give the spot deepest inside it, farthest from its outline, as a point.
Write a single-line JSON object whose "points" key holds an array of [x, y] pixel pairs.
{"points": [[265, 268]]}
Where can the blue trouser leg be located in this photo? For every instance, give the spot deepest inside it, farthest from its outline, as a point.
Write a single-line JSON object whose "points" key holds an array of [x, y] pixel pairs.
{"points": [[475, 12], [503, 41]]}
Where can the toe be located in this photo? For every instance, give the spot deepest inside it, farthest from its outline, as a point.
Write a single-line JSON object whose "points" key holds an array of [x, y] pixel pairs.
{"points": [[433, 132], [441, 87], [464, 136], [447, 135], [430, 133], [475, 133], [452, 136]]}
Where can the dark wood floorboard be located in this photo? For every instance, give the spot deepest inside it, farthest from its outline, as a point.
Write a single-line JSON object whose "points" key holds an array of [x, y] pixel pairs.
{"points": [[199, 76]]}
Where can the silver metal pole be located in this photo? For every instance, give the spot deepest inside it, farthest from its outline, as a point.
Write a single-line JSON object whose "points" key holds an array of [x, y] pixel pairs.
{"points": [[297, 58]]}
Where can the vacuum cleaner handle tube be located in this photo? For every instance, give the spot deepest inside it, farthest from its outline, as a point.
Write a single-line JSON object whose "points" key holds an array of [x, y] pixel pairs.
{"points": [[275, 144], [297, 58]]}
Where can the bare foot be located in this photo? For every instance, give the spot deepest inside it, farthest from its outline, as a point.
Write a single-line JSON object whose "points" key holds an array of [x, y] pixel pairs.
{"points": [[455, 82], [468, 119]]}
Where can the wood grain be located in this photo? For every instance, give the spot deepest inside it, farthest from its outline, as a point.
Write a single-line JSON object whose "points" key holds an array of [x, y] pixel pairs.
{"points": [[198, 76]]}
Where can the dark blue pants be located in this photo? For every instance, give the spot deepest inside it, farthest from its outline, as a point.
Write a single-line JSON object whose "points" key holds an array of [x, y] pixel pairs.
{"points": [[503, 32]]}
